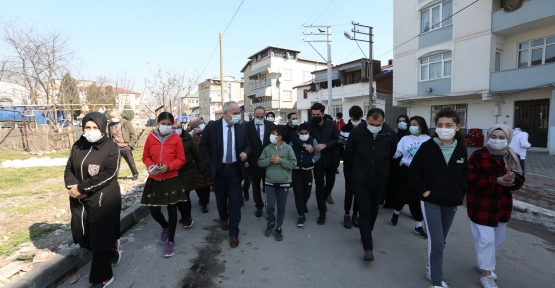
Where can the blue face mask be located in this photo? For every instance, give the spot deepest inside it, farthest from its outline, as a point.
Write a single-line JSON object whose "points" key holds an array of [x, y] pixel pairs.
{"points": [[402, 125], [258, 121], [414, 130], [374, 130]]}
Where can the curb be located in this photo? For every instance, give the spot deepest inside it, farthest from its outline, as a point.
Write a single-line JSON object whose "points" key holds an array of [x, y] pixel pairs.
{"points": [[69, 260], [529, 208]]}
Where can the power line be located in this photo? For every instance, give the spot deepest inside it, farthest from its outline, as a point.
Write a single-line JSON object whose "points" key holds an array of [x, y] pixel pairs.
{"points": [[334, 10], [323, 12], [315, 10]]}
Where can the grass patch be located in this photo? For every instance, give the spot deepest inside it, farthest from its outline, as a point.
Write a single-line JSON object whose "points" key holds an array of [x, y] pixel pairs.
{"points": [[21, 177], [12, 245], [15, 155]]}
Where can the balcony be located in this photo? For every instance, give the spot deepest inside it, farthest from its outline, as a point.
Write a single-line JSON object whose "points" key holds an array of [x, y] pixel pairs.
{"points": [[522, 78], [533, 14]]}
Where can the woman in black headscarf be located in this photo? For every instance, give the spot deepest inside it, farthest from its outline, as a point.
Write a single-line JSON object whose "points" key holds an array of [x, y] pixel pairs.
{"points": [[395, 166], [95, 197]]}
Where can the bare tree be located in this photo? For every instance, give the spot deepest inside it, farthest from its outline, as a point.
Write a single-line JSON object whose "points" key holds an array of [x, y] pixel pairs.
{"points": [[167, 87]]}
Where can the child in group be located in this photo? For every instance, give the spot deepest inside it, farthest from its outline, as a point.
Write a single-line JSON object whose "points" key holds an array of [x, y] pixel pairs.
{"points": [[302, 174], [493, 173], [438, 174], [279, 160], [163, 155]]}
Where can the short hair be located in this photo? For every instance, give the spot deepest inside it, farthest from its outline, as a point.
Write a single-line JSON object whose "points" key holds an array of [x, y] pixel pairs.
{"points": [[339, 114], [318, 106], [259, 107], [291, 114], [272, 113], [375, 113], [356, 112], [450, 113], [226, 105], [303, 127], [164, 116], [524, 125], [280, 130], [328, 117], [422, 123]]}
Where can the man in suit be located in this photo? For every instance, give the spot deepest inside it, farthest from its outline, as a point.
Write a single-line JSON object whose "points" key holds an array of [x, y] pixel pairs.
{"points": [[258, 132], [327, 135], [225, 147], [122, 132]]}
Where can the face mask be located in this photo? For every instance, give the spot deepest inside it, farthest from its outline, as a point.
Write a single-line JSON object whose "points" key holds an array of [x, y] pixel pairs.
{"points": [[201, 127], [337, 120], [271, 119], [115, 120], [273, 139], [235, 119], [258, 121], [445, 133], [317, 119], [355, 123], [498, 144], [93, 136], [413, 129], [294, 122], [165, 129], [374, 130], [402, 125], [178, 131], [304, 137]]}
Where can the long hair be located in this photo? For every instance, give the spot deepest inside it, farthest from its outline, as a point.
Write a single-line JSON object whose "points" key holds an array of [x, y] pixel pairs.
{"points": [[422, 123], [450, 113]]}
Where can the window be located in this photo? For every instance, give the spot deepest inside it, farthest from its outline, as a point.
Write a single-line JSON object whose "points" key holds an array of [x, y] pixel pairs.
{"points": [[286, 74], [497, 61], [305, 94], [336, 109], [436, 17], [435, 67], [352, 77], [286, 95], [459, 108], [536, 52], [307, 76]]}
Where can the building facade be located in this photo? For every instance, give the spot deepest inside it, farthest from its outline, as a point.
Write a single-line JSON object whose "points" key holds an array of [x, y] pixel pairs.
{"points": [[494, 62], [271, 76], [210, 99]]}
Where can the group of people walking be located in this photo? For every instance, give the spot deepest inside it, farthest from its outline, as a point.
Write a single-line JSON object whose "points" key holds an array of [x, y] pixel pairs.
{"points": [[381, 166]]}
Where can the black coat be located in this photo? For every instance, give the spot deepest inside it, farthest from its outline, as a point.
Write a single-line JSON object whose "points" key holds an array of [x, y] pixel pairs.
{"points": [[95, 220], [289, 130], [447, 183], [257, 147], [193, 162], [327, 134], [211, 147], [370, 156]]}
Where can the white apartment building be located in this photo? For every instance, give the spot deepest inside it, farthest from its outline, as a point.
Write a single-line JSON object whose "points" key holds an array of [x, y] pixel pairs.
{"points": [[210, 99], [271, 76], [493, 62], [189, 103]]}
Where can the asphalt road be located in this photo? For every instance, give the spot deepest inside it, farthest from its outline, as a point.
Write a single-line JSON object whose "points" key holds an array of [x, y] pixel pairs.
{"points": [[320, 256]]}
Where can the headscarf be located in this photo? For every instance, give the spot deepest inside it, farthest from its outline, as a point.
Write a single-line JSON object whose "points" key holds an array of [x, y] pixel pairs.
{"points": [[402, 133], [512, 161], [100, 120]]}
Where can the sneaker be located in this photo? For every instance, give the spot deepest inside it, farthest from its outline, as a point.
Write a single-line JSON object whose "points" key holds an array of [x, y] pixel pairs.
{"points": [[420, 232], [492, 272], [443, 284], [277, 234], [187, 223], [164, 235], [300, 222], [269, 230], [355, 220], [488, 282], [116, 254], [170, 249], [322, 219], [347, 221], [103, 284], [394, 219]]}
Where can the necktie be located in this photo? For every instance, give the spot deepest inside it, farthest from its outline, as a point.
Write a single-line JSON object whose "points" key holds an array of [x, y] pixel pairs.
{"points": [[258, 129], [228, 157]]}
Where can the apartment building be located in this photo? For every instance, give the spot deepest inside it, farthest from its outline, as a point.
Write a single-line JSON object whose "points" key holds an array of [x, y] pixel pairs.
{"points": [[210, 97]]}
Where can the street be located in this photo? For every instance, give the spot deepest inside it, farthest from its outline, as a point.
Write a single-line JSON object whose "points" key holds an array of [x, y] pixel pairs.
{"points": [[320, 256]]}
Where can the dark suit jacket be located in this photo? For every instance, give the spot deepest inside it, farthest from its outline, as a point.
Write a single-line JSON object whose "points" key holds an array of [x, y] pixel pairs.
{"points": [[325, 134], [257, 147], [211, 147]]}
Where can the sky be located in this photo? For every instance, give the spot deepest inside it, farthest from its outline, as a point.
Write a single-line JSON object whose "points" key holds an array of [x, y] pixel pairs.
{"points": [[133, 38]]}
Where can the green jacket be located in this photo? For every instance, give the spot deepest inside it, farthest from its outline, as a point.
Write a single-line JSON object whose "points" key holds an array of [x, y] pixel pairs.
{"points": [[280, 172], [127, 130], [193, 162]]}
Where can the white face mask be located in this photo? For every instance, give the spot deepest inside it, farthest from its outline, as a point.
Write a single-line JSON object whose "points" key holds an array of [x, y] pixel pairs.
{"points": [[445, 133], [304, 137], [201, 127], [271, 119], [115, 120], [294, 122], [235, 119], [414, 129], [258, 121], [498, 144], [165, 129], [374, 130], [402, 125], [355, 123], [178, 131], [93, 136], [273, 139]]}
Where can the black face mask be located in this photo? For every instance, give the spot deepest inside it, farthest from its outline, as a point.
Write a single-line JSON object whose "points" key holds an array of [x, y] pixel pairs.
{"points": [[317, 120]]}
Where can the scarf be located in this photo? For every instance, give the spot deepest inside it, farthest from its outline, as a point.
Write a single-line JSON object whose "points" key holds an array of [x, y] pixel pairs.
{"points": [[511, 159]]}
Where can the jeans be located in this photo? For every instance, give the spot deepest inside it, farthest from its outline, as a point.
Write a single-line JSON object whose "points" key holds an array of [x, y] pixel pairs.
{"points": [[368, 201], [228, 197], [488, 241], [302, 186], [349, 193], [324, 178], [273, 195]]}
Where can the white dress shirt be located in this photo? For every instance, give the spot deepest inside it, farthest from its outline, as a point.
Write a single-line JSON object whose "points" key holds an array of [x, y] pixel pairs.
{"points": [[225, 130], [261, 132]]}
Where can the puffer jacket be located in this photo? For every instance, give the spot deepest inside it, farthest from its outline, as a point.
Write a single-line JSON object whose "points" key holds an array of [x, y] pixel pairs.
{"points": [[164, 150]]}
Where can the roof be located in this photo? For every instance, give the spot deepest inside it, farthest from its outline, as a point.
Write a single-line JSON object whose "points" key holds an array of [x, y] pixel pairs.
{"points": [[307, 83], [310, 60], [387, 71], [277, 47], [246, 65], [118, 90], [342, 64]]}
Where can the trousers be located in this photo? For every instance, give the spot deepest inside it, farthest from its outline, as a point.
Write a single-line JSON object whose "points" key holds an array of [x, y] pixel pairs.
{"points": [[488, 241]]}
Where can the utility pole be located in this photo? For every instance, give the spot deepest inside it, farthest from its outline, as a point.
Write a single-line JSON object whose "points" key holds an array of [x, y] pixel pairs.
{"points": [[222, 88], [229, 90], [370, 66], [327, 33]]}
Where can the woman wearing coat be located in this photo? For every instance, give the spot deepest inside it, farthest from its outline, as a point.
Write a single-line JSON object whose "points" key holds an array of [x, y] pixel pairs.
{"points": [[95, 197], [203, 183]]}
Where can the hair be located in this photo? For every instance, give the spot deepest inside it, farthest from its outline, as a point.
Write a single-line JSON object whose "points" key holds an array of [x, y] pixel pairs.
{"points": [[165, 116], [318, 106], [375, 113], [259, 107], [227, 105], [356, 112], [291, 114], [328, 117], [280, 130], [339, 114], [303, 127], [450, 113], [524, 125], [422, 123], [271, 113]]}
